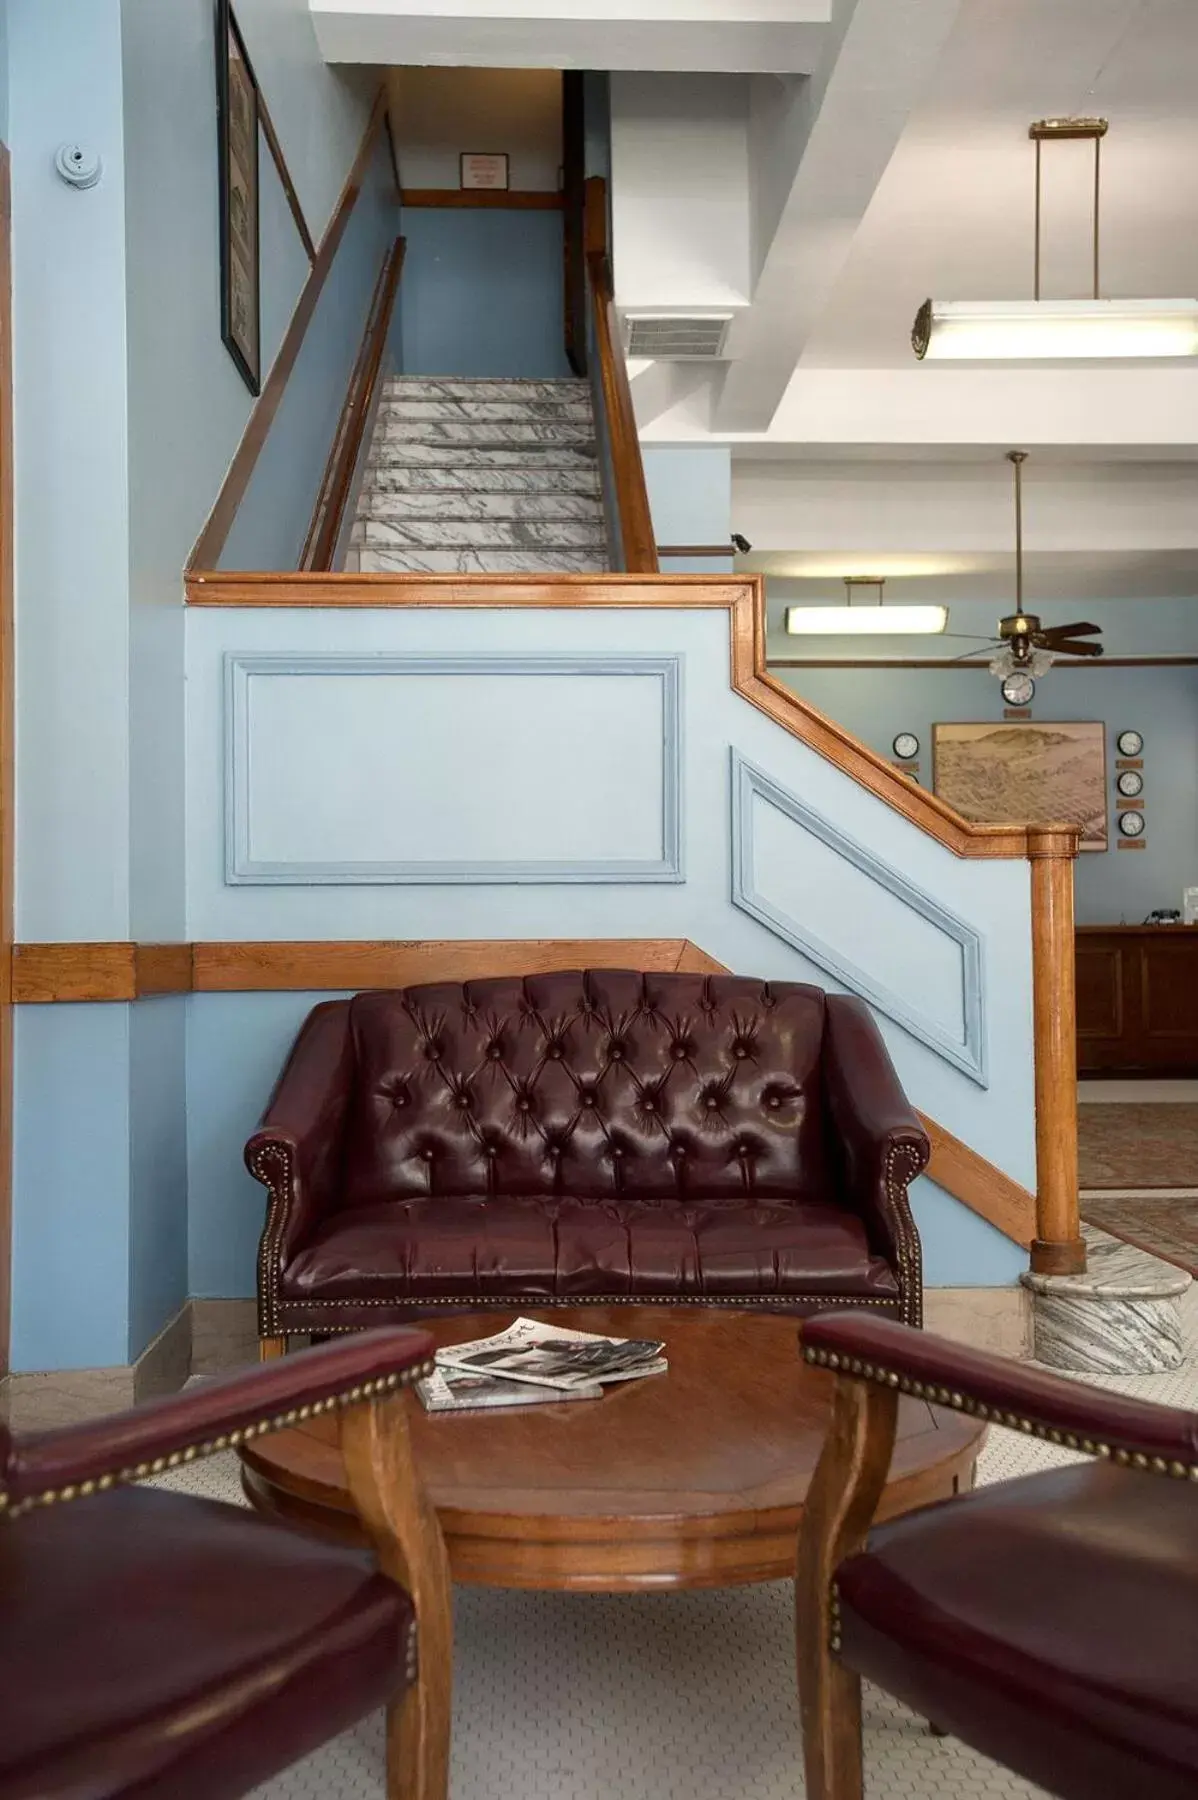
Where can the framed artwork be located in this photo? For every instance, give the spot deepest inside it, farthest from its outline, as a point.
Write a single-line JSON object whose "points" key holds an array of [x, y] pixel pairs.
{"points": [[1025, 772], [483, 169], [237, 131]]}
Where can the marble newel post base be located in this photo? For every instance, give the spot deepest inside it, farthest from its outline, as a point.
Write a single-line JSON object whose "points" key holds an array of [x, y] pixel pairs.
{"points": [[1120, 1318]]}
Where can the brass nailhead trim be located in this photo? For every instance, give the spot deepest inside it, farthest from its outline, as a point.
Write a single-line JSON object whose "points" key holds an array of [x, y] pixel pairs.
{"points": [[976, 1409], [367, 1390], [834, 1622]]}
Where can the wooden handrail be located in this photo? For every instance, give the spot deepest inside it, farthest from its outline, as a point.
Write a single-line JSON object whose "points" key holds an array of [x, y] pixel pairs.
{"points": [[328, 514], [638, 541]]}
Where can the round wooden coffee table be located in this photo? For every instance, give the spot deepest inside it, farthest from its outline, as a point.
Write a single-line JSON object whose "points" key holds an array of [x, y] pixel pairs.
{"points": [[691, 1479]]}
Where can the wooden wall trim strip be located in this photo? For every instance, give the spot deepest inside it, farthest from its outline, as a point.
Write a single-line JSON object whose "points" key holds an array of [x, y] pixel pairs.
{"points": [[498, 199], [211, 541], [328, 514], [280, 162], [978, 1184]]}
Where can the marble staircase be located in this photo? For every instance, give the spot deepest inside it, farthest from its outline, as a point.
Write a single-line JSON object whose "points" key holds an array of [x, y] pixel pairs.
{"points": [[486, 477]]}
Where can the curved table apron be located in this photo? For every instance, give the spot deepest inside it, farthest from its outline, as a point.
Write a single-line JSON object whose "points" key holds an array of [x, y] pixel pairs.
{"points": [[692, 1479]]}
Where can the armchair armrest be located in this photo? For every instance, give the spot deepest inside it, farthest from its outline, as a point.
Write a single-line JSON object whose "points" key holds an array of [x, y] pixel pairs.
{"points": [[79, 1460], [295, 1152], [1160, 1439], [882, 1143]]}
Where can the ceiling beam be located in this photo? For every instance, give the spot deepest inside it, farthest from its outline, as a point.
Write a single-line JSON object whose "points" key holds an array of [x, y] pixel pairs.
{"points": [[818, 149]]}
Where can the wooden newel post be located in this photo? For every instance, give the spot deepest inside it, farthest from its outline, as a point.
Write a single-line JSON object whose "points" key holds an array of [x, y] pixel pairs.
{"points": [[1057, 1248]]}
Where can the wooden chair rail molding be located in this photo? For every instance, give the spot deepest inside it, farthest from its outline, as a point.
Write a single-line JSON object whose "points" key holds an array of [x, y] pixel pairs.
{"points": [[497, 199], [328, 514], [45, 973], [638, 539], [211, 541]]}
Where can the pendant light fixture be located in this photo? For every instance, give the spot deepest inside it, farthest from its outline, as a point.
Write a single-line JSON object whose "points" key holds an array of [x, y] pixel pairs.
{"points": [[859, 621], [1027, 330]]}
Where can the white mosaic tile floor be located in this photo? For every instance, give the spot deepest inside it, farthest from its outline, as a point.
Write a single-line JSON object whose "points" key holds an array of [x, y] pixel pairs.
{"points": [[672, 1697]]}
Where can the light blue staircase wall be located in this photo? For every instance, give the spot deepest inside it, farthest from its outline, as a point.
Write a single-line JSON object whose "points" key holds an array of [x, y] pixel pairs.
{"points": [[236, 1042]]}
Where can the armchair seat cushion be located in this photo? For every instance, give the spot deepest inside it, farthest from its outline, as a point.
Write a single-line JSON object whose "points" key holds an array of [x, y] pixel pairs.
{"points": [[176, 1647], [1052, 1622], [486, 1249]]}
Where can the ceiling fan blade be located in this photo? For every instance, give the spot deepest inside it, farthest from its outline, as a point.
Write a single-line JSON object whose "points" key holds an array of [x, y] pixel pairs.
{"points": [[1071, 631], [1065, 647]]}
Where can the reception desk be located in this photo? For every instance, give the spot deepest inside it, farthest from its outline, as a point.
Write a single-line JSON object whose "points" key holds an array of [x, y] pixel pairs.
{"points": [[1137, 1000]]}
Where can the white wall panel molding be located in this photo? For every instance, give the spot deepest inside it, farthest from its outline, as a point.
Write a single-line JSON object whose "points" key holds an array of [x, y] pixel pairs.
{"points": [[870, 928], [463, 770]]}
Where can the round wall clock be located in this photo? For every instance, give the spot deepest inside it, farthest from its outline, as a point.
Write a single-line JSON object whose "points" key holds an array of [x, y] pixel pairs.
{"points": [[905, 746], [1131, 824], [1129, 743], [1018, 689], [1130, 783]]}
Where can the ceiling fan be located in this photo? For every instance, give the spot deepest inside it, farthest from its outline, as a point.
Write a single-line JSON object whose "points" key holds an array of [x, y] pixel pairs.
{"points": [[1024, 646]]}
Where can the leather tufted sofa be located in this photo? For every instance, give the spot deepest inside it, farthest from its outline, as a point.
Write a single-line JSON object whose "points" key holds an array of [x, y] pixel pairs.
{"points": [[599, 1137]]}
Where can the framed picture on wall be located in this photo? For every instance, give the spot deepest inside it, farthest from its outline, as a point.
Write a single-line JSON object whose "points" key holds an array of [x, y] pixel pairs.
{"points": [[1025, 773], [237, 137], [484, 169]]}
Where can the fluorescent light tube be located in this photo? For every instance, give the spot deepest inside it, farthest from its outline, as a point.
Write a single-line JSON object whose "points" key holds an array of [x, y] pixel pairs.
{"points": [[1027, 330], [860, 621]]}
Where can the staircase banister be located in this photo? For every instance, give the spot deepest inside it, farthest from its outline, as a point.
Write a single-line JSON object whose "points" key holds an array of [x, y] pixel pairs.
{"points": [[638, 542]]}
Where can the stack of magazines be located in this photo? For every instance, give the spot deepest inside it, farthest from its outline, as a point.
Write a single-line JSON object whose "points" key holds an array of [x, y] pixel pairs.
{"points": [[531, 1363]]}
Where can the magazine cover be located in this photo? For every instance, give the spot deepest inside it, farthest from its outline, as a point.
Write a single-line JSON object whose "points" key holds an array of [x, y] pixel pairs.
{"points": [[453, 1390], [553, 1356]]}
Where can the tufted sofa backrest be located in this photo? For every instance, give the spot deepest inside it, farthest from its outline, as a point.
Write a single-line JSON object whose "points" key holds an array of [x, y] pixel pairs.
{"points": [[591, 1083]]}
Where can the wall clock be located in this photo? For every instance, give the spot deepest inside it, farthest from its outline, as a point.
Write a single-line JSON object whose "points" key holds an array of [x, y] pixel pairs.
{"points": [[905, 746], [1018, 689], [1129, 743], [1130, 783], [1131, 824]]}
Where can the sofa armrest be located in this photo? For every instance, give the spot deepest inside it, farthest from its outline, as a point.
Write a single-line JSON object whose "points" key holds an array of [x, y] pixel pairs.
{"points": [[79, 1460], [1160, 1439], [296, 1151], [882, 1144]]}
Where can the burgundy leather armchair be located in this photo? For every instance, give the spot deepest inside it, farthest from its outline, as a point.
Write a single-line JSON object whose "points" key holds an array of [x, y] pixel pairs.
{"points": [[586, 1137], [156, 1646], [1050, 1622]]}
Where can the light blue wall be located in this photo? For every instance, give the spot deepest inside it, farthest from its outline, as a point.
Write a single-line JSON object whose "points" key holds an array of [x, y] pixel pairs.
{"points": [[236, 1043], [272, 521], [482, 293], [71, 1225], [1112, 886], [71, 475], [4, 71], [157, 1166], [690, 497]]}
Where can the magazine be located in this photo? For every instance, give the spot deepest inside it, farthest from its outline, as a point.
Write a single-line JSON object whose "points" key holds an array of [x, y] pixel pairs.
{"points": [[554, 1357], [455, 1390]]}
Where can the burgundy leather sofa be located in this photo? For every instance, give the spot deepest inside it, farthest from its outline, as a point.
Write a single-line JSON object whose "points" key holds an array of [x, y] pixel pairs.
{"points": [[1051, 1622], [160, 1646], [588, 1137]]}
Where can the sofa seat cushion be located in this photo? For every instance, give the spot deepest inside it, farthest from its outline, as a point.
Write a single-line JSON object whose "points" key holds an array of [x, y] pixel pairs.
{"points": [[485, 1248], [1069, 1599], [174, 1648]]}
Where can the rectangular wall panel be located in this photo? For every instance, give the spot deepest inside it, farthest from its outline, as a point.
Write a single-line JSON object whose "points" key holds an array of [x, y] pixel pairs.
{"points": [[390, 769]]}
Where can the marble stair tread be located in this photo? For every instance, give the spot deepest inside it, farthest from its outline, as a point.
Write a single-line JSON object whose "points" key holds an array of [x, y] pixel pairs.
{"points": [[463, 503], [502, 434], [388, 480], [399, 452], [375, 561], [516, 412], [479, 534], [462, 387]]}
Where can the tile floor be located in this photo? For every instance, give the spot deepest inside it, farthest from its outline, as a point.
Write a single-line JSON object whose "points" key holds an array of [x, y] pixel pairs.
{"points": [[672, 1697]]}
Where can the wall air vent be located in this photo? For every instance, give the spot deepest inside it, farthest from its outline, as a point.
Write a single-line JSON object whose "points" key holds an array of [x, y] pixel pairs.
{"points": [[676, 337]]}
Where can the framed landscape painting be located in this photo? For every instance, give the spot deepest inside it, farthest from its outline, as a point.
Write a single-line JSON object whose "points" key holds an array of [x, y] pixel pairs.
{"points": [[1025, 773], [237, 130]]}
